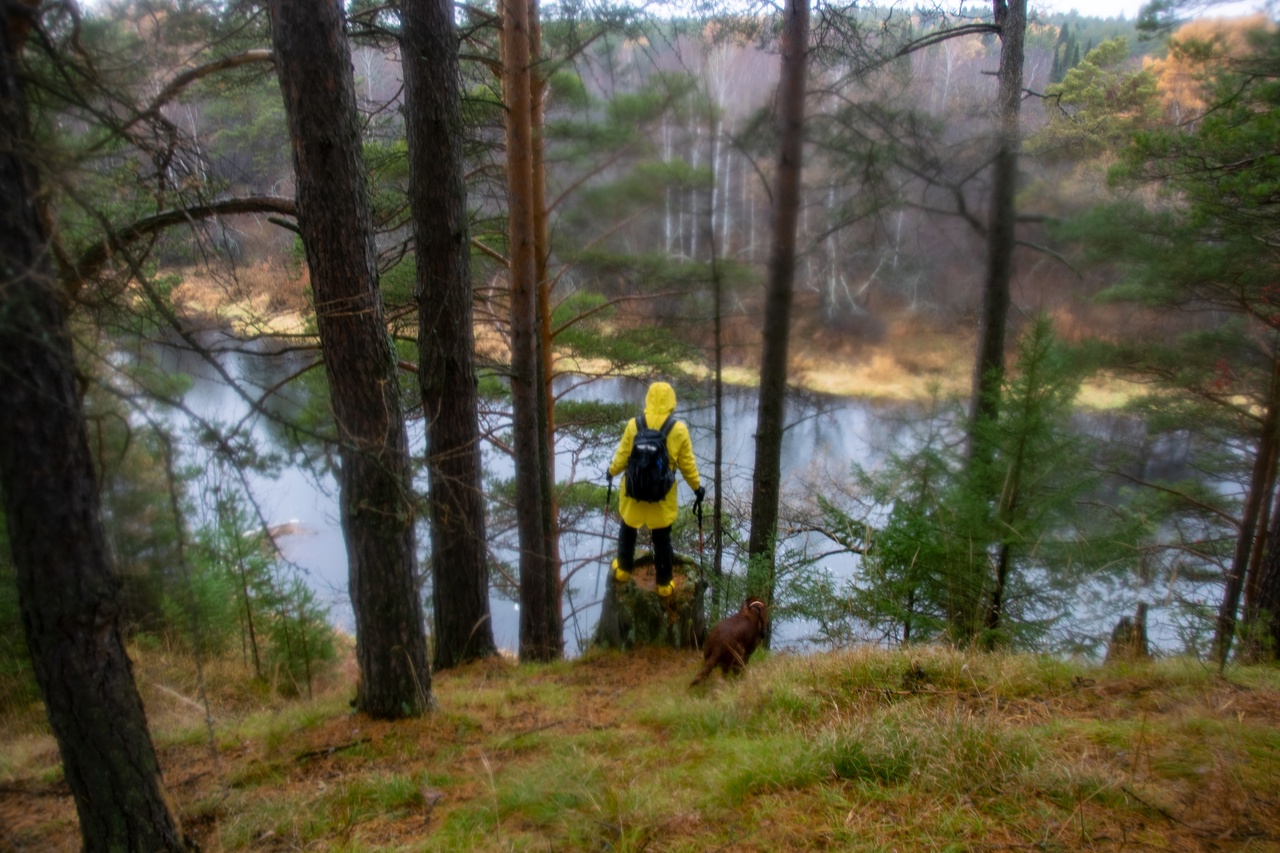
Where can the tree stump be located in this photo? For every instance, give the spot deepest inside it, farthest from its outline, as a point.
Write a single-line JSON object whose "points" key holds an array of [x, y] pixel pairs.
{"points": [[633, 614], [1129, 638]]}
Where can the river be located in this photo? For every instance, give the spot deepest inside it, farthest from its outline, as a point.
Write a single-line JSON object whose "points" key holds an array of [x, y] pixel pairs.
{"points": [[826, 435]]}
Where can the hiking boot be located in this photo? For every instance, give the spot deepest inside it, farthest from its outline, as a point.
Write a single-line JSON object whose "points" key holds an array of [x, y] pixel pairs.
{"points": [[620, 574], [665, 590]]}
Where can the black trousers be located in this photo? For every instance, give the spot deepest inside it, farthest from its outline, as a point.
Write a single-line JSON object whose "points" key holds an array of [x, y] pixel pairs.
{"points": [[663, 556]]}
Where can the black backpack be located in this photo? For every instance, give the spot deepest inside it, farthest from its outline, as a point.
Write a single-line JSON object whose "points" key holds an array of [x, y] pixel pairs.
{"points": [[649, 472]]}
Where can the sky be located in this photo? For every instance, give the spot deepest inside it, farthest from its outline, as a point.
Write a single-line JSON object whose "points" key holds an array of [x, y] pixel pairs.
{"points": [[1113, 8]]}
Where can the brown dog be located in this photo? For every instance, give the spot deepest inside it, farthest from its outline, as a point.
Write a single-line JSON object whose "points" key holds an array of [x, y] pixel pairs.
{"points": [[733, 639]]}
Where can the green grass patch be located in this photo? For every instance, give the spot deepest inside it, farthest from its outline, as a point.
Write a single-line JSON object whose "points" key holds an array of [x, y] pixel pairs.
{"points": [[747, 766], [861, 750]]}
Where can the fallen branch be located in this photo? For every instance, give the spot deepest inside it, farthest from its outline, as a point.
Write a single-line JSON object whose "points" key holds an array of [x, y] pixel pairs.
{"points": [[26, 790], [169, 691], [93, 258], [329, 750]]}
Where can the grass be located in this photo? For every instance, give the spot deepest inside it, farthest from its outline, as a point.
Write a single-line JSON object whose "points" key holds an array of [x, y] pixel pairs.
{"points": [[864, 750]]}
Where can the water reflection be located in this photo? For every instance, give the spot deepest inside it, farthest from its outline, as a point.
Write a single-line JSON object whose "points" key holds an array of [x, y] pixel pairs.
{"points": [[825, 437]]}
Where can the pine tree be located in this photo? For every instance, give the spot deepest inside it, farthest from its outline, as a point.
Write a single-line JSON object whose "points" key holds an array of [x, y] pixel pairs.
{"points": [[68, 589], [770, 421], [446, 344], [1061, 54], [375, 493], [1206, 244]]}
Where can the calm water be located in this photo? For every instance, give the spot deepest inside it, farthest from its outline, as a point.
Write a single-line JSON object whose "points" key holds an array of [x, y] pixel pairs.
{"points": [[826, 435]]}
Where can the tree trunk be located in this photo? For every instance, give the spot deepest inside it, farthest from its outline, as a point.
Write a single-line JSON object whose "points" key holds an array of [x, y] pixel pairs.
{"points": [[313, 60], [666, 210], [1264, 615], [68, 589], [608, 629], [717, 505], [1129, 638], [1258, 553], [777, 311], [1257, 644], [1006, 510], [540, 635], [446, 338], [633, 615], [717, 468], [717, 249], [546, 355], [1264, 460], [988, 371]]}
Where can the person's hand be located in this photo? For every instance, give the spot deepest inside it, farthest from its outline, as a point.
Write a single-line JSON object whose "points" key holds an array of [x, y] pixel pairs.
{"points": [[700, 493]]}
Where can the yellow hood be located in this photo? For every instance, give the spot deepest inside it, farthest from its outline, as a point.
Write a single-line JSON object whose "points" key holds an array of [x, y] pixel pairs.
{"points": [[658, 404]]}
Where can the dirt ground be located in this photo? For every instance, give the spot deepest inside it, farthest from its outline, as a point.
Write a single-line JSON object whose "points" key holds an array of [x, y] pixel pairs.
{"points": [[38, 813], [494, 718]]}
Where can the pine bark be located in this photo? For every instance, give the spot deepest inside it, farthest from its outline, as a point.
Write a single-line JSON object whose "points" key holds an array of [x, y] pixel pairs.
{"points": [[446, 337], [313, 59], [1259, 492], [717, 507], [540, 634], [988, 372], [778, 297], [546, 353], [1264, 613], [69, 592], [1010, 498]]}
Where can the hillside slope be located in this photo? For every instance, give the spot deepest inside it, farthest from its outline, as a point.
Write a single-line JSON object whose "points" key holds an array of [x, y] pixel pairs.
{"points": [[857, 750]]}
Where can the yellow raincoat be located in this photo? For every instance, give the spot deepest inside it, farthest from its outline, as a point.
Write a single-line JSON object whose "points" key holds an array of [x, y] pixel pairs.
{"points": [[659, 403]]}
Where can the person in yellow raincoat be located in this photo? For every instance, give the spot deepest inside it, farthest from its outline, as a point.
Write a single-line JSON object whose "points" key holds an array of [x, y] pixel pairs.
{"points": [[658, 516]]}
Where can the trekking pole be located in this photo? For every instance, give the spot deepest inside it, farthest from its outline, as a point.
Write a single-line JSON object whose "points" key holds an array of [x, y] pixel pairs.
{"points": [[604, 531], [697, 510], [700, 616]]}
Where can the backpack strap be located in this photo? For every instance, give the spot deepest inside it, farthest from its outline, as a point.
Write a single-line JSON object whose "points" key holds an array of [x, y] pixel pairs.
{"points": [[666, 427]]}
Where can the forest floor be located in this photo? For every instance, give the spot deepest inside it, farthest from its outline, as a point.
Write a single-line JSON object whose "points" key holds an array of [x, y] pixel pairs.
{"points": [[926, 749]]}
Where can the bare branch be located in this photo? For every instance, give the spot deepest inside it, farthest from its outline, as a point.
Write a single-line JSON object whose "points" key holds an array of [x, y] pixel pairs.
{"points": [[91, 261], [621, 300], [186, 78], [491, 252], [1055, 255], [945, 35]]}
